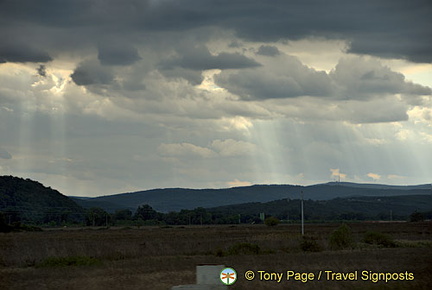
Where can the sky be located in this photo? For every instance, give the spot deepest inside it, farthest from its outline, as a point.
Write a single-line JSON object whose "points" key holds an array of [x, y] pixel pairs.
{"points": [[104, 97]]}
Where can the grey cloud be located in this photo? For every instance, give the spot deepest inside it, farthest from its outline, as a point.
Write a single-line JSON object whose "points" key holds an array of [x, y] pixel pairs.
{"points": [[235, 44], [16, 52], [198, 57], [388, 28], [4, 154], [294, 80], [378, 111], [90, 72], [268, 50], [353, 78], [117, 54], [73, 13], [194, 77], [359, 78], [41, 70]]}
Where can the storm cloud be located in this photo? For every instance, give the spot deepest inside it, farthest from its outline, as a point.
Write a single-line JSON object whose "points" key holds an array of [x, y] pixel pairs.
{"points": [[389, 29], [100, 97], [16, 52]]}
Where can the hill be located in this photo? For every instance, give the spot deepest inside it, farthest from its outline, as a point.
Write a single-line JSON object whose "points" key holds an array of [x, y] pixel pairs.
{"points": [[352, 208], [28, 201], [175, 199]]}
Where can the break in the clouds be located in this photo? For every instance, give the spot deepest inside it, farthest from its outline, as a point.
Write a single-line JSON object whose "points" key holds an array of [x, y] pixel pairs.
{"points": [[100, 97]]}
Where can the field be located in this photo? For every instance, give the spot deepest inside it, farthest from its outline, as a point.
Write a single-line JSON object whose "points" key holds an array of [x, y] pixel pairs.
{"points": [[162, 257]]}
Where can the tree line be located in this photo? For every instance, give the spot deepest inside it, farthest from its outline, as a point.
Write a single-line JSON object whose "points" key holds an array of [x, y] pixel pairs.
{"points": [[146, 215]]}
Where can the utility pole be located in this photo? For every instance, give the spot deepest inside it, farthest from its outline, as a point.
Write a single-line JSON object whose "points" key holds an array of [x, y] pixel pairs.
{"points": [[302, 214]]}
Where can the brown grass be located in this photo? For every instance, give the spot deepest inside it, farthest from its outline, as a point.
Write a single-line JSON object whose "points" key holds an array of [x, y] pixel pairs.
{"points": [[158, 258]]}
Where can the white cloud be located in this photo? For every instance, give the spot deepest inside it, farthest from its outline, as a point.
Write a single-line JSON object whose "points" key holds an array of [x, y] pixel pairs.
{"points": [[335, 173], [238, 183], [395, 177], [374, 176], [185, 150]]}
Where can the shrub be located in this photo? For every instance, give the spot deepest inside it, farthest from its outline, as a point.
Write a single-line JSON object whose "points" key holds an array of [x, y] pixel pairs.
{"points": [[380, 239], [244, 249], [310, 244], [271, 221], [341, 238]]}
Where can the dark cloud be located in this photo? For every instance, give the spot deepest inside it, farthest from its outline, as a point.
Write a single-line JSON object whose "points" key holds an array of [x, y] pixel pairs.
{"points": [[268, 50], [41, 70], [16, 52], [117, 54], [90, 73], [194, 77], [198, 57], [388, 28]]}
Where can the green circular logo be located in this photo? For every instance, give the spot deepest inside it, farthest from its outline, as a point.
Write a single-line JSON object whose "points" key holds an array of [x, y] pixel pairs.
{"points": [[228, 276]]}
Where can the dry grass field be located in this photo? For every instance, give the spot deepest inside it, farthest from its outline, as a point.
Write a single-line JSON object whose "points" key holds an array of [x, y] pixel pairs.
{"points": [[161, 257]]}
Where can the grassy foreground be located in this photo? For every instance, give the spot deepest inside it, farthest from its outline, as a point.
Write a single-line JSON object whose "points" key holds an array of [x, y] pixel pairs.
{"points": [[159, 258]]}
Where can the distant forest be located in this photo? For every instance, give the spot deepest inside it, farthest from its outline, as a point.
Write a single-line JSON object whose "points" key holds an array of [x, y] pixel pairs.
{"points": [[29, 202]]}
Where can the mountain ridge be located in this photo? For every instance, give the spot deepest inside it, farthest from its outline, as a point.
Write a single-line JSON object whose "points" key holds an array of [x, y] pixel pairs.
{"points": [[175, 199], [26, 200]]}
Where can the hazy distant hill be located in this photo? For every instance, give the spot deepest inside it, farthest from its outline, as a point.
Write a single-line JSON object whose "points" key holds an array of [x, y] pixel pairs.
{"points": [[175, 199], [349, 208], [381, 186], [26, 200]]}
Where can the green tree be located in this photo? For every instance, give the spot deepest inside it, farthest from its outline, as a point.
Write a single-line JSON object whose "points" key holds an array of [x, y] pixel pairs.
{"points": [[416, 217], [123, 215], [146, 212], [96, 216]]}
